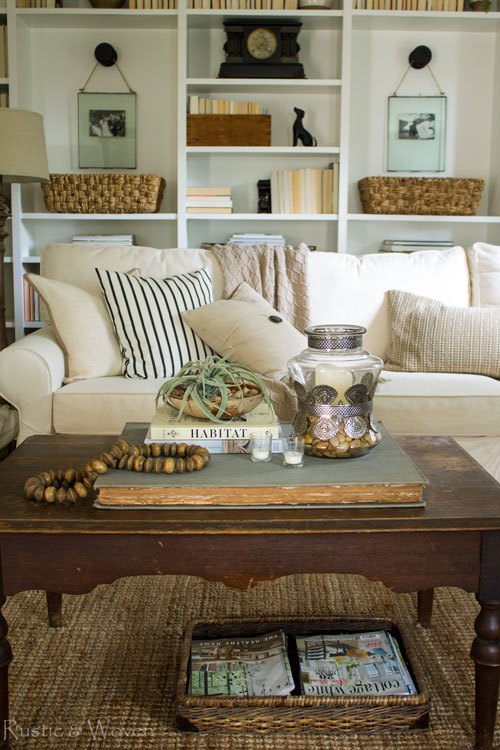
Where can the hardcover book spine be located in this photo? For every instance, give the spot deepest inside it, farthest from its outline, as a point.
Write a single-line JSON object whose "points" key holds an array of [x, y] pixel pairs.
{"points": [[215, 432]]}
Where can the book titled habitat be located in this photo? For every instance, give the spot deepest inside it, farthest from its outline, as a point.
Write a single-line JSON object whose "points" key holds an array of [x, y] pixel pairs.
{"points": [[254, 666], [352, 664]]}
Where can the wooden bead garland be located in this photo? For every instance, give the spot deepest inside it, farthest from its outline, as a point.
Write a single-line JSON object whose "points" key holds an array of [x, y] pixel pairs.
{"points": [[67, 485]]}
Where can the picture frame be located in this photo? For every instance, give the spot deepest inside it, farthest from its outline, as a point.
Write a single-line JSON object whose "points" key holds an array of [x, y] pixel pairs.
{"points": [[416, 133], [107, 130]]}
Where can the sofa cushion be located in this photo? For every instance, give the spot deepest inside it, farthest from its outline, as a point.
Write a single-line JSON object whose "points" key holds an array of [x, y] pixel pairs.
{"points": [[427, 336], [484, 267], [243, 330], [428, 403], [101, 406], [76, 263], [83, 328], [350, 289], [407, 403], [146, 315]]}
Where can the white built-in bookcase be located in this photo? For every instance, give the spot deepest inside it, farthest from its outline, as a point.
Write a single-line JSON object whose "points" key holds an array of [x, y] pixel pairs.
{"points": [[353, 61]]}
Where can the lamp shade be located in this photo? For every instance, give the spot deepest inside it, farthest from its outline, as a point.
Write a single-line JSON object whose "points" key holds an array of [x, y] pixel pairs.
{"points": [[23, 155]]}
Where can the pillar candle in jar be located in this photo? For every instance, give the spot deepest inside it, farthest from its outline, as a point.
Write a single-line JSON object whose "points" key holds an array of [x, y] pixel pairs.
{"points": [[341, 380]]}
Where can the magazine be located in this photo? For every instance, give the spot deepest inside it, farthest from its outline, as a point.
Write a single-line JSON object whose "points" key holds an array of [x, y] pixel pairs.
{"points": [[254, 666], [353, 664]]}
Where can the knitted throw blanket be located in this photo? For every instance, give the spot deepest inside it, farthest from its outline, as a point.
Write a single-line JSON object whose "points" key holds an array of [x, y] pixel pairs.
{"points": [[279, 274]]}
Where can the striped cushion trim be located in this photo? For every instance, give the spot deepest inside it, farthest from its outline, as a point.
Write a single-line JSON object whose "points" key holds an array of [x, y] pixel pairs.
{"points": [[427, 336], [146, 315]]}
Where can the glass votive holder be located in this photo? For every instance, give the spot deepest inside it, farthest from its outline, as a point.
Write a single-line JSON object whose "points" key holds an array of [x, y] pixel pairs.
{"points": [[293, 451], [260, 446]]}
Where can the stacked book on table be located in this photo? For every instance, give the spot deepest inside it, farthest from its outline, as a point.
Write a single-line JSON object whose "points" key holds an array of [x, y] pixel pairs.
{"points": [[231, 437], [209, 200]]}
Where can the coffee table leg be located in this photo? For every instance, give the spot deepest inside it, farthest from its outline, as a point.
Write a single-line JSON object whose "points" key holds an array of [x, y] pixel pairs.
{"points": [[5, 659], [425, 601], [486, 655], [54, 609]]}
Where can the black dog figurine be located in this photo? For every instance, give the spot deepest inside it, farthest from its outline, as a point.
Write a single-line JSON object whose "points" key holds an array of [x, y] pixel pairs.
{"points": [[299, 131]]}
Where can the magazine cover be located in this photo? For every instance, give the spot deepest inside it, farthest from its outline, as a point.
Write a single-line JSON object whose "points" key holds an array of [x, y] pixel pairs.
{"points": [[254, 666], [352, 664]]}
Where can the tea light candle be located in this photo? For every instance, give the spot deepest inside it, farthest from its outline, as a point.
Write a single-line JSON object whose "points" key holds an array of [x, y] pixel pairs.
{"points": [[292, 457], [260, 454]]}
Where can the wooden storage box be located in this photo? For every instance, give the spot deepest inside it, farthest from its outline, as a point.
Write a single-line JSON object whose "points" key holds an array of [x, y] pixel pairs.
{"points": [[103, 193], [229, 130], [298, 713], [438, 196]]}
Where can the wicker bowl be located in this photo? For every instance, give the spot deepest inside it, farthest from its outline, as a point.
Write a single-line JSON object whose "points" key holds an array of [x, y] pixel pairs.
{"points": [[103, 193], [438, 196]]}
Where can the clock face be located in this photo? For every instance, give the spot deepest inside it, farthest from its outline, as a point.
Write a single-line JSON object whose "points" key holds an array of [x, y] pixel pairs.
{"points": [[262, 44]]}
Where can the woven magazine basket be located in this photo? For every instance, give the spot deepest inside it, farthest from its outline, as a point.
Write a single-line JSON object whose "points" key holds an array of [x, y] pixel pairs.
{"points": [[298, 713], [103, 193], [439, 196]]}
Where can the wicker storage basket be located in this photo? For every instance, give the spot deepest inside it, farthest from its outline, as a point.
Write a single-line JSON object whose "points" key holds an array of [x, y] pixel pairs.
{"points": [[298, 713], [440, 196], [229, 130], [103, 193]]}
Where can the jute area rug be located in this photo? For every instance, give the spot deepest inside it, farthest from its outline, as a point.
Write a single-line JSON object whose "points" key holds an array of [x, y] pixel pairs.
{"points": [[107, 679]]}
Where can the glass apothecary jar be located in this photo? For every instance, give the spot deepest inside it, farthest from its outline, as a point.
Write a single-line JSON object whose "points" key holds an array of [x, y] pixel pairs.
{"points": [[335, 380]]}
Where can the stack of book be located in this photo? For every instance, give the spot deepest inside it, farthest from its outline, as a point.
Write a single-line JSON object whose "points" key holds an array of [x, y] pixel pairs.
{"points": [[257, 239], [305, 191], [209, 200], [104, 239], [197, 105], [31, 303], [39, 3], [231, 437], [411, 246]]}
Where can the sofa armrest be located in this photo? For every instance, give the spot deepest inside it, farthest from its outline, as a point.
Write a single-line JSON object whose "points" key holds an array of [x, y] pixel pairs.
{"points": [[31, 370]]}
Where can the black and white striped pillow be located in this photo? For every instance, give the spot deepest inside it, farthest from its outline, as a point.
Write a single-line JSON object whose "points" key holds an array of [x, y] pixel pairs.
{"points": [[145, 313]]}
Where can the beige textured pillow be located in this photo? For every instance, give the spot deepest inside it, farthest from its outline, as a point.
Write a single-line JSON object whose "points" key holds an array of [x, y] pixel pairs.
{"points": [[83, 327], [240, 329], [427, 336]]}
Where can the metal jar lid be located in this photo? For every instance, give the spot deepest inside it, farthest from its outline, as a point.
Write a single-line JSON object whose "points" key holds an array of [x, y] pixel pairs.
{"points": [[335, 337]]}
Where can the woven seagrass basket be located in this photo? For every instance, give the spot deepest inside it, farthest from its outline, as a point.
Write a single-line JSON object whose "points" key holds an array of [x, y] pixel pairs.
{"points": [[439, 196], [103, 193], [298, 713]]}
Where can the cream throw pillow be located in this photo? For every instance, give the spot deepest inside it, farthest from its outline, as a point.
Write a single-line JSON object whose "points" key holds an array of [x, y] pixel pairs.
{"points": [[428, 336], [83, 327], [241, 329]]}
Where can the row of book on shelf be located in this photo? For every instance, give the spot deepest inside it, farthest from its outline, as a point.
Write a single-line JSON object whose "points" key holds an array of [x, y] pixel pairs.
{"points": [[450, 6], [152, 4], [39, 3], [198, 105], [243, 4], [357, 664], [31, 303], [305, 191], [4, 62]]}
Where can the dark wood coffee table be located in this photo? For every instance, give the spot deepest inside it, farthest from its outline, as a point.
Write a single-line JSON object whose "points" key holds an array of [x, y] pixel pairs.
{"points": [[453, 541]]}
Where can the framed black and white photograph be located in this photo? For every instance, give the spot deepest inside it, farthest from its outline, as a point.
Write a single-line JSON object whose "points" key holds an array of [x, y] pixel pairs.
{"points": [[107, 130], [416, 129]]}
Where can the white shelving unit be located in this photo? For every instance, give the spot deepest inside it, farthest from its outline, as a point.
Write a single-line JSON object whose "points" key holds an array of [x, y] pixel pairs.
{"points": [[353, 60]]}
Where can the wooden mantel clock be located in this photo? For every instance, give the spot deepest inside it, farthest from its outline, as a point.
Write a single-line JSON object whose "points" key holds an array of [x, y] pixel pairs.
{"points": [[261, 49]]}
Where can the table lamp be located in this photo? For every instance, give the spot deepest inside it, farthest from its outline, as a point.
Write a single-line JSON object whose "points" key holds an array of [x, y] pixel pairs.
{"points": [[23, 158]]}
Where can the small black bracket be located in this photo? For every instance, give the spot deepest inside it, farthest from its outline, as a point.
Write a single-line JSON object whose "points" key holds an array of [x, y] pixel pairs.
{"points": [[420, 57], [106, 54]]}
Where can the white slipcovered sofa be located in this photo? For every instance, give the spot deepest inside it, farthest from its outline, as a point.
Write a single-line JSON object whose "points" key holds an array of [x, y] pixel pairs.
{"points": [[343, 289]]}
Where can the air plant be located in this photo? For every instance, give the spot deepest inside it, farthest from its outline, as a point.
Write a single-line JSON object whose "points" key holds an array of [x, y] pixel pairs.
{"points": [[213, 385]]}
